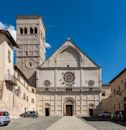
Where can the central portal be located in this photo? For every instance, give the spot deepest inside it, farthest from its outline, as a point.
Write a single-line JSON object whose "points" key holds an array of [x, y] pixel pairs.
{"points": [[68, 108]]}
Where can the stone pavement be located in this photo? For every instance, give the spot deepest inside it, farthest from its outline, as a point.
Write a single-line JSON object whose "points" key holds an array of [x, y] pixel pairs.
{"points": [[104, 125], [40, 123], [70, 123]]}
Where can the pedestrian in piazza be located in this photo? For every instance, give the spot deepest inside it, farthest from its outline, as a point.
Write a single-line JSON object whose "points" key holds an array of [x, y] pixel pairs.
{"points": [[120, 116]]}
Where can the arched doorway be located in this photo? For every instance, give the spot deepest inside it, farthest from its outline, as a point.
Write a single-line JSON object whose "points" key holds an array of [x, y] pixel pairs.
{"points": [[69, 107], [47, 109], [91, 109]]}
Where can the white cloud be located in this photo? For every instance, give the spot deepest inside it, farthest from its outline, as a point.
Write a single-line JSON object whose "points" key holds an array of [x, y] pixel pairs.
{"points": [[12, 31], [48, 46], [9, 28]]}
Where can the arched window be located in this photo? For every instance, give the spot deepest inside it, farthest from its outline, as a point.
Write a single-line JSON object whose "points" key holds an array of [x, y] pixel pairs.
{"points": [[27, 98], [32, 90], [21, 30], [36, 30], [25, 30], [31, 30], [124, 99], [24, 96], [32, 100], [26, 53]]}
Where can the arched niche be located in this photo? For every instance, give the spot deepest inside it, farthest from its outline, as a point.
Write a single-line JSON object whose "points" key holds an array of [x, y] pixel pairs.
{"points": [[69, 107], [69, 56]]}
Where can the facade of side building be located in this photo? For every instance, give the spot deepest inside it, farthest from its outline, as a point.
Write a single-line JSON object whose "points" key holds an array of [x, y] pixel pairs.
{"points": [[105, 91], [105, 94], [117, 100], [16, 95]]}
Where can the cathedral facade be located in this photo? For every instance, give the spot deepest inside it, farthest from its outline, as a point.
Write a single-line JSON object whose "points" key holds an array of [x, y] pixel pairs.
{"points": [[67, 83]]}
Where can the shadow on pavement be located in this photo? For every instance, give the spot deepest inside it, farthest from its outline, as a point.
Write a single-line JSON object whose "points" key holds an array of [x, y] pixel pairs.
{"points": [[96, 119], [123, 123]]}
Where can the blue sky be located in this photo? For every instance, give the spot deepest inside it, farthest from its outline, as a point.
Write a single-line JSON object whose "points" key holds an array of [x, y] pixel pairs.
{"points": [[98, 27]]}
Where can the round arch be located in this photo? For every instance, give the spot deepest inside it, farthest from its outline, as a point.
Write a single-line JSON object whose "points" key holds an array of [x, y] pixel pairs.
{"points": [[73, 57], [69, 106], [75, 50]]}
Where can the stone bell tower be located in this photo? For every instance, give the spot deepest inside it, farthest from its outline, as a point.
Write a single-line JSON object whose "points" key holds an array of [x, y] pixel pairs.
{"points": [[31, 41]]}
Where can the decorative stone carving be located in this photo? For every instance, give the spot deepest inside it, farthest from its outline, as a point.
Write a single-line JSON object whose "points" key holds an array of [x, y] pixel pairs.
{"points": [[91, 83], [47, 83], [69, 77], [31, 64]]}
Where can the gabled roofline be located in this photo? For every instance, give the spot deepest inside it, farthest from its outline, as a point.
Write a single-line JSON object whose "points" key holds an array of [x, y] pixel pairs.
{"points": [[61, 46], [118, 75], [9, 37]]}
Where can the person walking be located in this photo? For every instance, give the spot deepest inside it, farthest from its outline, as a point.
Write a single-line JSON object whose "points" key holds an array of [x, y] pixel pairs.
{"points": [[120, 117]]}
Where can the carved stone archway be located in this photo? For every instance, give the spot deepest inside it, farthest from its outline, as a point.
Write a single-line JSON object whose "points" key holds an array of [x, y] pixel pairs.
{"points": [[69, 107]]}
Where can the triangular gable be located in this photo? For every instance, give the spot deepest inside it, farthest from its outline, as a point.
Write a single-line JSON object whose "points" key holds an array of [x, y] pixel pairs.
{"points": [[84, 59]]}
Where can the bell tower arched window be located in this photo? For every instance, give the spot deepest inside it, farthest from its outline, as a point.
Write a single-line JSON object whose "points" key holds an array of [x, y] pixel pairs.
{"points": [[36, 31], [31, 30], [21, 30], [25, 30]]}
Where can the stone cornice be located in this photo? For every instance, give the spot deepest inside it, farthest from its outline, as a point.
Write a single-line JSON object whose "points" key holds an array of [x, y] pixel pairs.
{"points": [[69, 68]]}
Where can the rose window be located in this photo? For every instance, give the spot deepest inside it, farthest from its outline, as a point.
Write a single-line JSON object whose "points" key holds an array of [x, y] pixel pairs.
{"points": [[69, 77]]}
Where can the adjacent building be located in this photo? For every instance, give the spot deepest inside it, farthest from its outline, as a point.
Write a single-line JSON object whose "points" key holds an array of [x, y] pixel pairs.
{"points": [[105, 91], [16, 94], [117, 99]]}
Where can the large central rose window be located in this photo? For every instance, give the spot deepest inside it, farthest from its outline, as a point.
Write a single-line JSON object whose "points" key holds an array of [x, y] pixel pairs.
{"points": [[69, 77]]}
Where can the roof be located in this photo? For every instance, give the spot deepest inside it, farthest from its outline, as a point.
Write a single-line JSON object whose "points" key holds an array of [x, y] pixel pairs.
{"points": [[28, 17], [105, 86], [118, 75], [9, 37]]}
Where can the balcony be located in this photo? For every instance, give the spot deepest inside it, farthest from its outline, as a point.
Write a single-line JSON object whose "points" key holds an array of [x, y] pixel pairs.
{"points": [[10, 79]]}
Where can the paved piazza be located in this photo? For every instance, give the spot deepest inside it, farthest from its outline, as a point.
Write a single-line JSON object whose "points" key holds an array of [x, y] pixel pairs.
{"points": [[40, 123], [57, 123], [105, 125]]}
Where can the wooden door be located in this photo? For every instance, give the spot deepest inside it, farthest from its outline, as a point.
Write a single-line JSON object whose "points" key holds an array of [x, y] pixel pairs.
{"points": [[69, 111]]}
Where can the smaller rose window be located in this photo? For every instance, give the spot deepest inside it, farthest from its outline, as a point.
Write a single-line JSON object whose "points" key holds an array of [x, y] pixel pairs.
{"points": [[47, 83], [91, 83]]}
